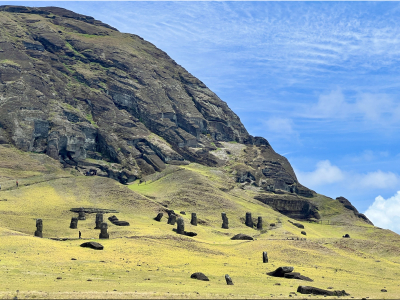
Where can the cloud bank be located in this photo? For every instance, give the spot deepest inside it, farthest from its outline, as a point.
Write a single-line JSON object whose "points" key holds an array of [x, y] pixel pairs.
{"points": [[385, 213]]}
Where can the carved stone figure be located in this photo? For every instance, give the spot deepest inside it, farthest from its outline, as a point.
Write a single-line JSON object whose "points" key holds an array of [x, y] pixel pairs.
{"points": [[225, 222], [104, 234], [82, 215], [259, 223], [74, 223], [193, 221], [39, 228], [249, 220], [180, 226], [99, 220]]}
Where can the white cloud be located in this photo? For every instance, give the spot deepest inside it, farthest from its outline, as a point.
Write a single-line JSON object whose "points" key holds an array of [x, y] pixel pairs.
{"points": [[331, 105], [385, 213], [280, 125], [325, 173], [378, 179]]}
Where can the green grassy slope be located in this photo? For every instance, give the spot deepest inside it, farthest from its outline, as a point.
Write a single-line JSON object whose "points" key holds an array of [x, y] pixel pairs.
{"points": [[149, 260]]}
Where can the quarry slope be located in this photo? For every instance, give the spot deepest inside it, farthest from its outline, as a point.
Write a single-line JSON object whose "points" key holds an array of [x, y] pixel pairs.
{"points": [[149, 260]]}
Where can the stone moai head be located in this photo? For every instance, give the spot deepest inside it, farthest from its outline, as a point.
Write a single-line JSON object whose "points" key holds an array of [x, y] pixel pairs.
{"points": [[99, 220], [82, 215], [225, 223], [259, 223], [39, 225], [74, 223], [180, 226], [103, 233], [249, 220], [193, 221]]}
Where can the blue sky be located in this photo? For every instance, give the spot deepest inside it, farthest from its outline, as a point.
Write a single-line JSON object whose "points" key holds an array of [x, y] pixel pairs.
{"points": [[319, 80]]}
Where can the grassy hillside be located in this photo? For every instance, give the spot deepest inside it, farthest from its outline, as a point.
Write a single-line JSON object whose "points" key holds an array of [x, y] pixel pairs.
{"points": [[149, 260]]}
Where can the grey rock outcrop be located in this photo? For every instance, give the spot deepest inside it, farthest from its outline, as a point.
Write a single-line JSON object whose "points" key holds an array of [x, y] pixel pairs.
{"points": [[225, 221], [103, 233], [39, 228], [74, 223], [346, 203]]}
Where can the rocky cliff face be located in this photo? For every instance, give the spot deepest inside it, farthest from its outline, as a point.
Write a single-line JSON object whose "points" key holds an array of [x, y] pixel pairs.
{"points": [[97, 99]]}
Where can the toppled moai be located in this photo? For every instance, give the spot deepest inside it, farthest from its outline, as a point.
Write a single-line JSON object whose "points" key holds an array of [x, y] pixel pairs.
{"points": [[228, 280], [265, 257], [193, 221], [158, 217], [74, 223], [172, 219], [225, 222], [180, 226], [249, 220], [39, 228], [103, 233], [259, 223], [82, 215], [99, 220]]}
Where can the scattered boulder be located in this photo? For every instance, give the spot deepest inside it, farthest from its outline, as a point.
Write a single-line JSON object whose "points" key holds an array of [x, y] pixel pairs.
{"points": [[180, 226], [193, 221], [259, 223], [265, 257], [272, 224], [39, 228], [182, 213], [82, 215], [115, 221], [225, 222], [280, 272], [318, 291], [199, 276], [303, 233], [383, 290], [249, 220], [74, 223], [346, 235], [228, 280], [242, 236], [103, 233], [93, 245], [158, 217], [99, 220], [190, 233]]}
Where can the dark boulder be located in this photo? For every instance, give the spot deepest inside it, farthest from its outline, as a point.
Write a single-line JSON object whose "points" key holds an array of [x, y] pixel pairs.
{"points": [[93, 245], [280, 272], [318, 291], [228, 280], [242, 236], [346, 235], [182, 213], [297, 224], [303, 233], [199, 276]]}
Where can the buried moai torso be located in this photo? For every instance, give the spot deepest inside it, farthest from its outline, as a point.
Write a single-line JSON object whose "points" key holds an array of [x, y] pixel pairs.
{"points": [[259, 223], [39, 228], [103, 233], [249, 220], [172, 219], [99, 220], [225, 223], [180, 226], [193, 221], [74, 223]]}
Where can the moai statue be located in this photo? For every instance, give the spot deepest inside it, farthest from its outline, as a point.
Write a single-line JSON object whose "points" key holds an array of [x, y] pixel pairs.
{"points": [[74, 223], [180, 226], [228, 280], [265, 257], [103, 233], [172, 219], [259, 223], [193, 221], [159, 216], [249, 220], [82, 215], [39, 228], [225, 223], [99, 220]]}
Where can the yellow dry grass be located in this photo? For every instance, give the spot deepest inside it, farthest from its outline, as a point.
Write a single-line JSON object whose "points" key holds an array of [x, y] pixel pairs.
{"points": [[148, 260]]}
